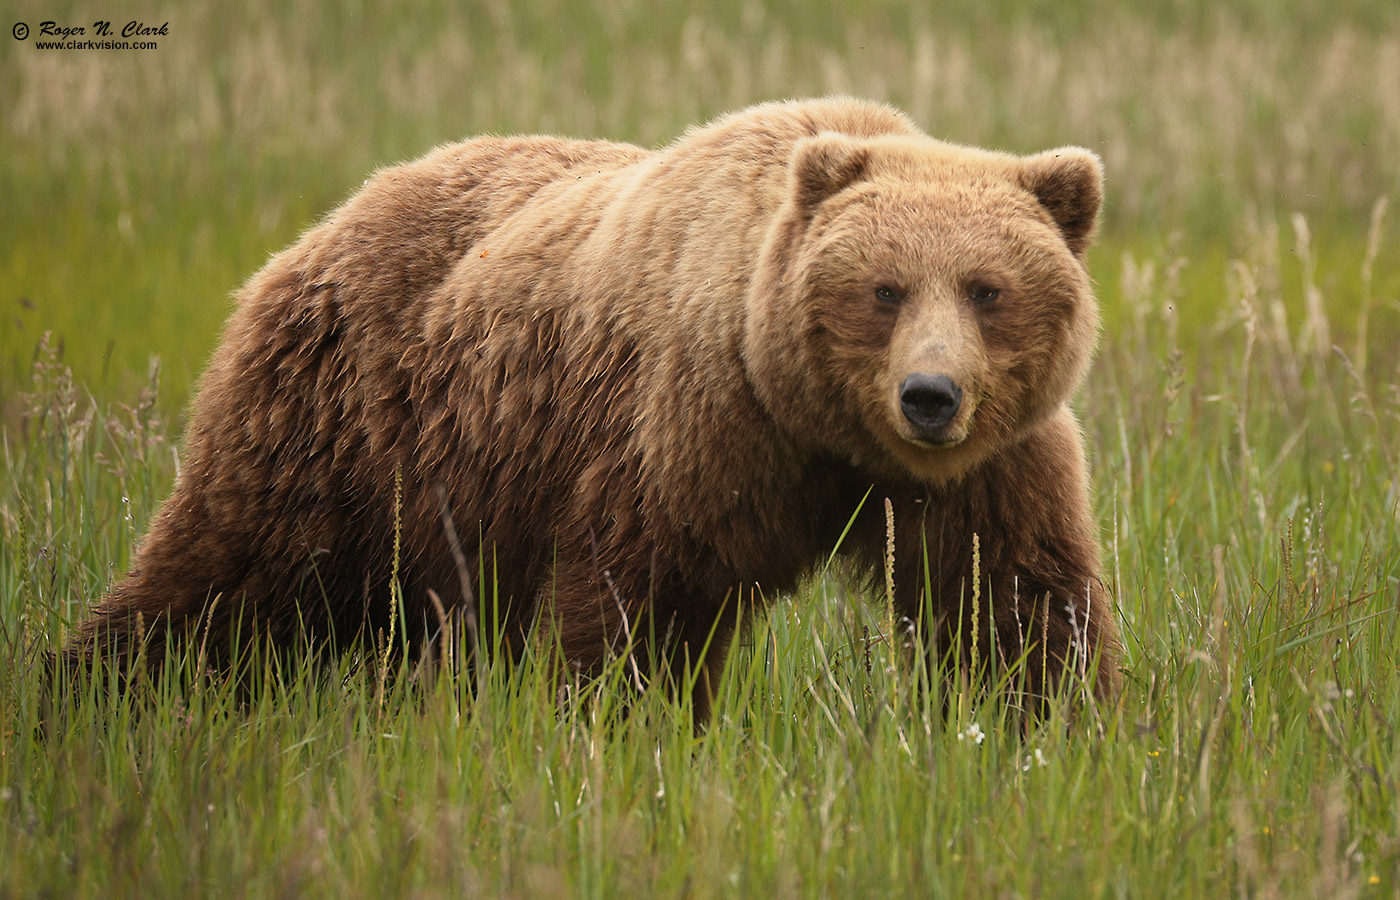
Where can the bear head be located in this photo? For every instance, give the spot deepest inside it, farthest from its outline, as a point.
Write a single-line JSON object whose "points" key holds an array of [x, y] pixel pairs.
{"points": [[919, 305]]}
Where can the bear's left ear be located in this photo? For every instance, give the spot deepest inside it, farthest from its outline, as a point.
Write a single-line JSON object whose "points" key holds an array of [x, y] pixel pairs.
{"points": [[1069, 183], [824, 164]]}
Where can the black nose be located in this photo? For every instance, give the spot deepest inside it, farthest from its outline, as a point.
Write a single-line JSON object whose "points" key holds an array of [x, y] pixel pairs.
{"points": [[929, 401]]}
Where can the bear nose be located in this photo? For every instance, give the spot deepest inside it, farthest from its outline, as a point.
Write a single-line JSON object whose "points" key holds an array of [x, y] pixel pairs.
{"points": [[929, 401]]}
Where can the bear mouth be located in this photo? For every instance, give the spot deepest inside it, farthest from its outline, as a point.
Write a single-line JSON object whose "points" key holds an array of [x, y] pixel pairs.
{"points": [[944, 439]]}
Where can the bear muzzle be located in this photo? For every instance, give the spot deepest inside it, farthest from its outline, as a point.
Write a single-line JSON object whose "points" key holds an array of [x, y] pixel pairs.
{"points": [[930, 404]]}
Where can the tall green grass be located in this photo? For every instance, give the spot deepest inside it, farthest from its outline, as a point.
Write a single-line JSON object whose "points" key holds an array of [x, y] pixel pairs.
{"points": [[1250, 522], [1243, 417]]}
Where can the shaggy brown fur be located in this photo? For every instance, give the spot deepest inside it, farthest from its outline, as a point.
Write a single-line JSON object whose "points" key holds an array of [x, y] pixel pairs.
{"points": [[647, 384]]}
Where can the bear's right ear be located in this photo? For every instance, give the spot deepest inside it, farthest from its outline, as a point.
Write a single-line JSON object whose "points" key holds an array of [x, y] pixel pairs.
{"points": [[825, 164], [1069, 183]]}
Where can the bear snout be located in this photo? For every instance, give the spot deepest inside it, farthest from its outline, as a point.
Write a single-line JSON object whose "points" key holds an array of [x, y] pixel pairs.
{"points": [[930, 403]]}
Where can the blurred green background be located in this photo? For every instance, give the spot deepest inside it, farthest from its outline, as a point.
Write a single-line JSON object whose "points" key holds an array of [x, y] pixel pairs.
{"points": [[140, 188]]}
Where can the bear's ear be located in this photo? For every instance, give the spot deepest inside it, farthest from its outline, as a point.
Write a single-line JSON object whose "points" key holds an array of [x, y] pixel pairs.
{"points": [[1069, 183], [824, 164]]}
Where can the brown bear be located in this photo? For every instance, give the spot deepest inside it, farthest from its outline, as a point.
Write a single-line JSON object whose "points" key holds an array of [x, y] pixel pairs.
{"points": [[631, 391]]}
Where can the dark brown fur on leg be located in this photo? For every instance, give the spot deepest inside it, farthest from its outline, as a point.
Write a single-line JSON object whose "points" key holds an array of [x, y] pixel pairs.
{"points": [[1041, 594]]}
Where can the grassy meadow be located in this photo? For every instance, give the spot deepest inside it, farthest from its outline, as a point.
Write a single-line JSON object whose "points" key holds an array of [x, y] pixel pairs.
{"points": [[1243, 418]]}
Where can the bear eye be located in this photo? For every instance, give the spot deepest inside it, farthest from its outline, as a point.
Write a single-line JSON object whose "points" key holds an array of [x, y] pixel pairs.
{"points": [[982, 293], [886, 294]]}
